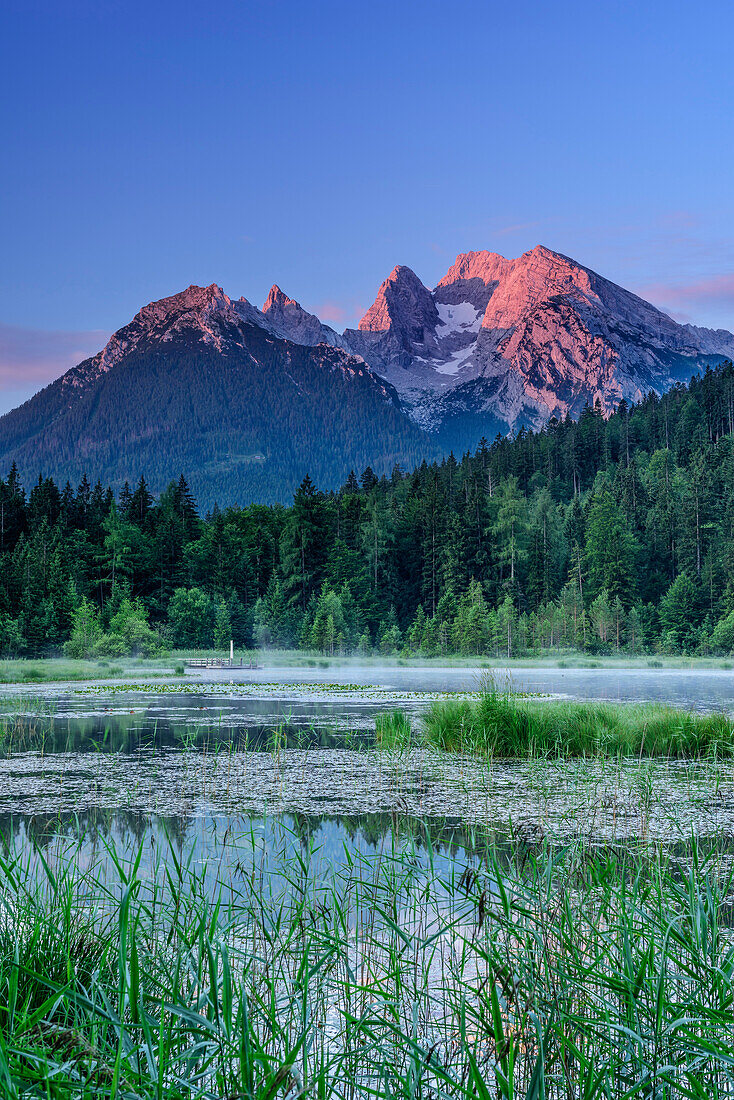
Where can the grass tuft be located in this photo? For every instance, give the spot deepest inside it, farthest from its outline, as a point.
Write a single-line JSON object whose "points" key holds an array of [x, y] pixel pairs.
{"points": [[393, 729], [504, 727]]}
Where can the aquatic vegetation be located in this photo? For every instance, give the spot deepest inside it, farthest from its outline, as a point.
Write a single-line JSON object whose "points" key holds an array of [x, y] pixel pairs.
{"points": [[392, 729], [554, 974], [505, 726], [278, 689]]}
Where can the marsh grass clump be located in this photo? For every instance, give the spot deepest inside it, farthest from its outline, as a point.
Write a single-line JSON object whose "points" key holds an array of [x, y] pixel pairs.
{"points": [[502, 726], [393, 730], [33, 676], [25, 725]]}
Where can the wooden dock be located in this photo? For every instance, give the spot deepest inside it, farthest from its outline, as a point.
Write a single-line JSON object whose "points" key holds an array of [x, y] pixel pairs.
{"points": [[220, 662]]}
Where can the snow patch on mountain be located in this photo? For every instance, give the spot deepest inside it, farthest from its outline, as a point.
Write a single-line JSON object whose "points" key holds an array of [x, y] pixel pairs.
{"points": [[452, 365], [462, 317]]}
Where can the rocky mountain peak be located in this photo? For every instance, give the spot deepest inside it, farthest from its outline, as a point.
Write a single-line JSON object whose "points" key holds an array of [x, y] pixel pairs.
{"points": [[289, 319], [535, 277], [277, 300], [403, 304], [193, 308], [485, 266], [193, 302]]}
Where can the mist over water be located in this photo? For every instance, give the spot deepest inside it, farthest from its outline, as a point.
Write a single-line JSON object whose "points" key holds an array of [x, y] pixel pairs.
{"points": [[223, 749]]}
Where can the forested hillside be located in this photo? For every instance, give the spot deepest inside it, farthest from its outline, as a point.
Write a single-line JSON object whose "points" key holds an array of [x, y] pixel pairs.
{"points": [[600, 535], [246, 426]]}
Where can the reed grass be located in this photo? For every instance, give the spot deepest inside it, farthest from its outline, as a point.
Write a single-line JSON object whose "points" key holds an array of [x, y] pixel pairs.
{"points": [[498, 725], [567, 974], [393, 729]]}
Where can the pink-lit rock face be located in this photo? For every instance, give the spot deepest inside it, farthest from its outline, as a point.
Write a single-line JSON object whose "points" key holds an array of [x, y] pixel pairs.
{"points": [[488, 267], [524, 339], [514, 341], [402, 303], [399, 329]]}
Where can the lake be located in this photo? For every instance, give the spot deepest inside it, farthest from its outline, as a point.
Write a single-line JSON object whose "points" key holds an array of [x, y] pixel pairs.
{"points": [[197, 758]]}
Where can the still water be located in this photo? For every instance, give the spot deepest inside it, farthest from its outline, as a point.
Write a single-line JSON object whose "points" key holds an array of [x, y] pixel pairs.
{"points": [[196, 760]]}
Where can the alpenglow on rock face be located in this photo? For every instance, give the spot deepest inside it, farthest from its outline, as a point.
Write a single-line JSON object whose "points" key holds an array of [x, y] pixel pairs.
{"points": [[516, 342], [246, 402]]}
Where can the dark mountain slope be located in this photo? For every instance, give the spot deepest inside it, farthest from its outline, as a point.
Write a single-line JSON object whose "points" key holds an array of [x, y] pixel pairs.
{"points": [[245, 420]]}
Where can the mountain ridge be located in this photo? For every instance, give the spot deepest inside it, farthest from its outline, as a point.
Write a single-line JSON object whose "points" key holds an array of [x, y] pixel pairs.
{"points": [[203, 384], [498, 344], [535, 337]]}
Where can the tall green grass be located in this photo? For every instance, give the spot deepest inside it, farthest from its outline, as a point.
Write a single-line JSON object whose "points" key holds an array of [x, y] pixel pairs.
{"points": [[392, 729], [572, 974], [505, 727]]}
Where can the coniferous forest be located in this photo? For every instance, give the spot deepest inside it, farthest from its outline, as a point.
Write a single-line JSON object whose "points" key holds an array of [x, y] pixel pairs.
{"points": [[601, 535]]}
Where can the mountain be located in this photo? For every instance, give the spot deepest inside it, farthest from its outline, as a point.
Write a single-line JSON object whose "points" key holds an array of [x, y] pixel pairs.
{"points": [[500, 344], [290, 320], [246, 402], [201, 384]]}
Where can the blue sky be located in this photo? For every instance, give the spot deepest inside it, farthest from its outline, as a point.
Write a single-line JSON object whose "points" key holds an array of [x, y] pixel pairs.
{"points": [[150, 146]]}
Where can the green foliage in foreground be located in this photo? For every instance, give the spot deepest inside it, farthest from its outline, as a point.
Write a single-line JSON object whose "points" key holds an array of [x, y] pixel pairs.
{"points": [[502, 726], [579, 975]]}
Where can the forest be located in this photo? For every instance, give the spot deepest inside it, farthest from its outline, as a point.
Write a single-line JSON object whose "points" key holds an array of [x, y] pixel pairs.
{"points": [[601, 535]]}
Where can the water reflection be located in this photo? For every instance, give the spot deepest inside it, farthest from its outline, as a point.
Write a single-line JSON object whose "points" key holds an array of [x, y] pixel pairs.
{"points": [[604, 801], [233, 855], [142, 728], [305, 707]]}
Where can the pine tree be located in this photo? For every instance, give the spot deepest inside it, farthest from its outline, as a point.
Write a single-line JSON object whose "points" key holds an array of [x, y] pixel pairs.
{"points": [[510, 527], [222, 626], [141, 503]]}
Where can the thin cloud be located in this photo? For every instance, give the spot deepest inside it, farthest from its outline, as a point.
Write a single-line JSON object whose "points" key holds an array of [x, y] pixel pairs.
{"points": [[333, 312], [679, 219], [520, 227], [31, 358], [683, 299]]}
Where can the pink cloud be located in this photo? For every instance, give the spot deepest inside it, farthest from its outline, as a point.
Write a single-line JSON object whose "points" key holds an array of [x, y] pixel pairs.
{"points": [[716, 291], [31, 358], [36, 353], [520, 227], [338, 313], [679, 219]]}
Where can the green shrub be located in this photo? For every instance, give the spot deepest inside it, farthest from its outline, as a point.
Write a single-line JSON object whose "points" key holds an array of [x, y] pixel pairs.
{"points": [[722, 638], [109, 645]]}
